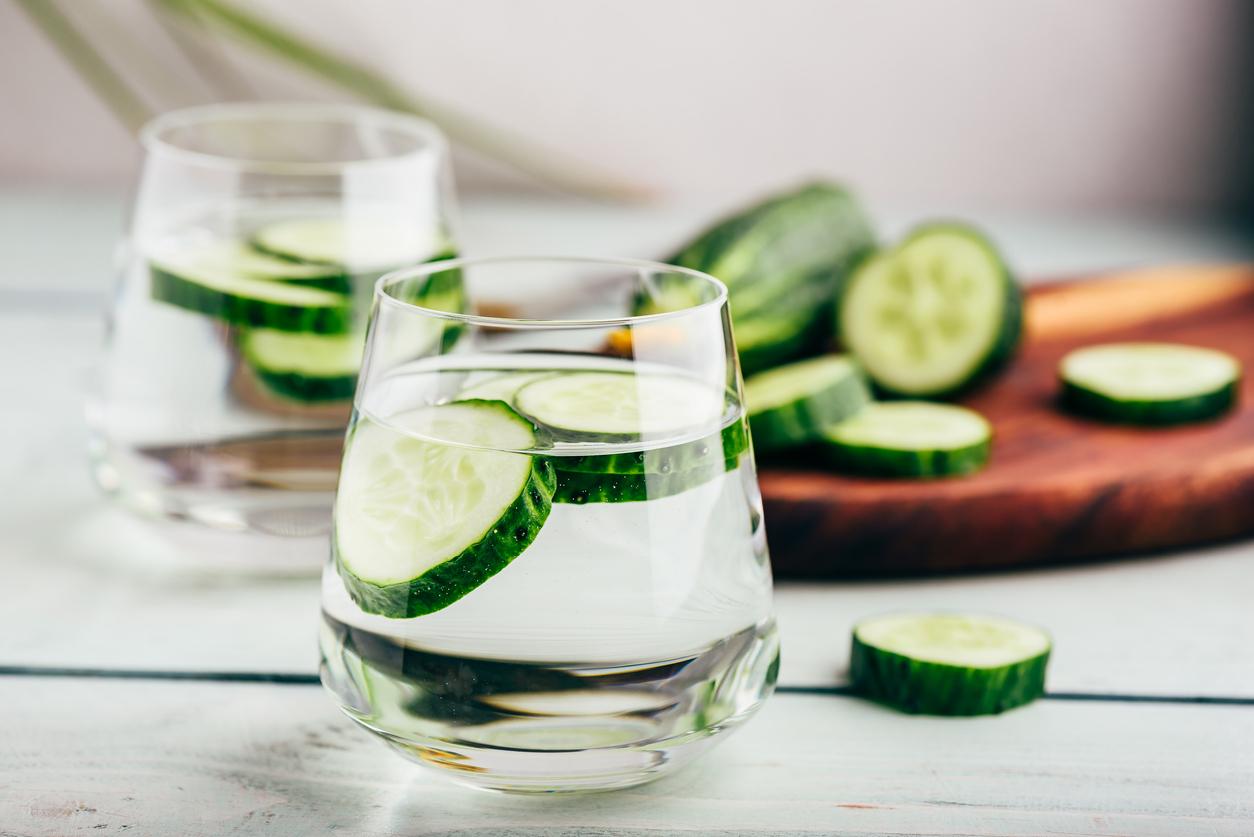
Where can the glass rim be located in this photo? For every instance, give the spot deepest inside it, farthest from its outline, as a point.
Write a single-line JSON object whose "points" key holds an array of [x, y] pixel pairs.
{"points": [[152, 134], [428, 268]]}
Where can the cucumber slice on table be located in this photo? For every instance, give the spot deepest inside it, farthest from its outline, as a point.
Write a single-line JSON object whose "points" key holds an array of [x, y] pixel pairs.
{"points": [[790, 405], [419, 523], [307, 367], [360, 245], [949, 664], [933, 315], [1149, 383], [910, 439]]}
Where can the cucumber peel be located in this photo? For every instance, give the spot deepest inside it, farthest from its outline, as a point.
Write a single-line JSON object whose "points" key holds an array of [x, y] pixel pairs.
{"points": [[1149, 383], [421, 523], [949, 664]]}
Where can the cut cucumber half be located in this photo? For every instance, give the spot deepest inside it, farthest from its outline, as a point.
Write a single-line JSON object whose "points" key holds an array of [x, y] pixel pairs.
{"points": [[421, 523], [305, 367], [933, 315], [608, 406], [910, 439], [362, 246], [949, 664], [765, 342], [1149, 383], [232, 297], [790, 405]]}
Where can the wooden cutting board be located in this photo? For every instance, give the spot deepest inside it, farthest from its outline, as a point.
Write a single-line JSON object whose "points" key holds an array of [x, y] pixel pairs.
{"points": [[1058, 488]]}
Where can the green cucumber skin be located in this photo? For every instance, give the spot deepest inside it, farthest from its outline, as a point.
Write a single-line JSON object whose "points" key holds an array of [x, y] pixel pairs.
{"points": [[937, 689], [583, 487], [1091, 404], [1004, 346], [305, 388], [799, 423], [731, 442], [246, 311], [445, 583], [891, 462]]}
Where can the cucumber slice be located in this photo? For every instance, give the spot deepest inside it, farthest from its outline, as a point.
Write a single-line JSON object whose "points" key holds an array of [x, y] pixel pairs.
{"points": [[306, 367], [580, 487], [502, 386], [232, 297], [765, 342], [949, 664], [790, 405], [361, 246], [610, 406], [1149, 383], [420, 523], [932, 316], [910, 439]]}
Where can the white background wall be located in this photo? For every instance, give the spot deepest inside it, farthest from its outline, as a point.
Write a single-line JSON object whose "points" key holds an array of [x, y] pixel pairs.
{"points": [[1039, 104]]}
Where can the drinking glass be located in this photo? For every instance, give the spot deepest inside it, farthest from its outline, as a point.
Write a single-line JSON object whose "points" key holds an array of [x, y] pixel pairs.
{"points": [[236, 332], [548, 567]]}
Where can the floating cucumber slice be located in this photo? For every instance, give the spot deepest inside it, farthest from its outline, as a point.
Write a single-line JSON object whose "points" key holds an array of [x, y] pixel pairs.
{"points": [[307, 367], [421, 523], [608, 406], [1149, 383], [723, 447], [579, 487], [236, 257], [502, 386], [933, 315], [790, 405], [910, 439], [949, 664], [237, 298], [363, 246]]}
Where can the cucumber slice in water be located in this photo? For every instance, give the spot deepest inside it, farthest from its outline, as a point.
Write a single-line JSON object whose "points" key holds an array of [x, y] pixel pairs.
{"points": [[239, 299], [421, 523], [949, 664], [1149, 383], [932, 316], [790, 405], [910, 439], [362, 246], [619, 406], [307, 367]]}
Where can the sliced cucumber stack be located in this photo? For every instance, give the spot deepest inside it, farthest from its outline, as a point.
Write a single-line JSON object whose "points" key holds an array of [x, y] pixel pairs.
{"points": [[1149, 383], [791, 405], [932, 316], [910, 439], [783, 261], [949, 664], [421, 523], [306, 367]]}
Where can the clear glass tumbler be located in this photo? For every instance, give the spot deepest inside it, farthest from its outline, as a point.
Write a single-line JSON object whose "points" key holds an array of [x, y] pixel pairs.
{"points": [[237, 328], [549, 570]]}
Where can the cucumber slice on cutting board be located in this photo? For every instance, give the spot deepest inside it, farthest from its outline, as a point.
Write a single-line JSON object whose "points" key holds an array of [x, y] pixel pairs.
{"points": [[421, 523], [948, 663], [910, 439], [790, 405], [933, 315], [1149, 383], [306, 367], [362, 246], [227, 294], [619, 406]]}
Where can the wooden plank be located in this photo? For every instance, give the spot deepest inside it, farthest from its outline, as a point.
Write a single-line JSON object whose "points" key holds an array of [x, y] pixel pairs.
{"points": [[98, 756], [90, 585]]}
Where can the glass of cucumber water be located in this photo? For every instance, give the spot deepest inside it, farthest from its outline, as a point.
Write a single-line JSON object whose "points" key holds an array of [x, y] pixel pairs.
{"points": [[548, 567], [236, 332]]}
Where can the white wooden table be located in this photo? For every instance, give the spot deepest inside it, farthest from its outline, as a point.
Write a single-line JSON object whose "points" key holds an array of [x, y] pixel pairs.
{"points": [[141, 693]]}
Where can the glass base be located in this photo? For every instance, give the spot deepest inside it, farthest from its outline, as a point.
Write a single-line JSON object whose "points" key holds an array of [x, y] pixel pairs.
{"points": [[527, 771]]}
